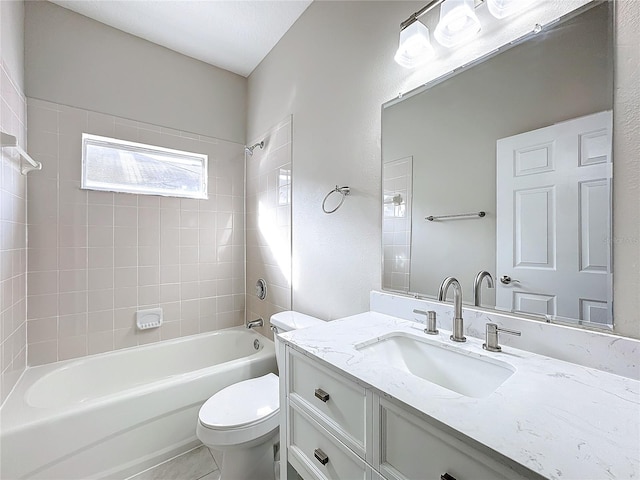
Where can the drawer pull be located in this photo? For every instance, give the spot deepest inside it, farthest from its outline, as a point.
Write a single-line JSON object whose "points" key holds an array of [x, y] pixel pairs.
{"points": [[322, 395], [322, 457], [446, 476]]}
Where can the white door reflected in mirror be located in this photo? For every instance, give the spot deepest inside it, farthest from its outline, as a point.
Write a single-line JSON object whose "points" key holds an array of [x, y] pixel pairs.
{"points": [[553, 191]]}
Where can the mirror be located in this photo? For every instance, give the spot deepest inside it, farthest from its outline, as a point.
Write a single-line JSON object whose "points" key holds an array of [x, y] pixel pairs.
{"points": [[505, 167]]}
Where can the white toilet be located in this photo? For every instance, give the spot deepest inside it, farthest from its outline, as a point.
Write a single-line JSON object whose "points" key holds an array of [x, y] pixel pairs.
{"points": [[241, 421]]}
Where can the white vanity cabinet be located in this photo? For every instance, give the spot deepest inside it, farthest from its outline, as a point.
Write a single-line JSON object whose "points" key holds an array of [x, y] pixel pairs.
{"points": [[411, 448], [338, 429], [327, 426]]}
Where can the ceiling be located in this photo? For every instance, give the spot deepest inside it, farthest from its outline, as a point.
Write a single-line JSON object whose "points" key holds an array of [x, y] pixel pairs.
{"points": [[233, 35]]}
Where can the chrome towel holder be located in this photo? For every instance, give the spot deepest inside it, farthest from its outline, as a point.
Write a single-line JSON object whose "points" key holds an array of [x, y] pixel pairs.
{"points": [[29, 163], [431, 218], [344, 191]]}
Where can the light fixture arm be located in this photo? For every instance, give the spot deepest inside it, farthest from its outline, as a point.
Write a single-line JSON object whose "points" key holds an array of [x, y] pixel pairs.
{"points": [[416, 15]]}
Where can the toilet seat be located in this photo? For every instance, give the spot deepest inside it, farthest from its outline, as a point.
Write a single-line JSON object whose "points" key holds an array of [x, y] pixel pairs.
{"points": [[240, 413]]}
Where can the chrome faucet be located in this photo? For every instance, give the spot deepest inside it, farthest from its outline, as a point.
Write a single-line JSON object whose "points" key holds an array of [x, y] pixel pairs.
{"points": [[458, 323], [477, 286], [258, 322]]}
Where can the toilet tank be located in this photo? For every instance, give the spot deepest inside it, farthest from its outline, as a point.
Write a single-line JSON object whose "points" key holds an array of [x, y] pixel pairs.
{"points": [[287, 321], [290, 320]]}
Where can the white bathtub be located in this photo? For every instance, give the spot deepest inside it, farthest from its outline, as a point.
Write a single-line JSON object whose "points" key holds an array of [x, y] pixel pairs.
{"points": [[115, 414]]}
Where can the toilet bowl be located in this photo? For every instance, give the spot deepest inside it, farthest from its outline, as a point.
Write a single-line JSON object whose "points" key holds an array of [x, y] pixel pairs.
{"points": [[239, 424]]}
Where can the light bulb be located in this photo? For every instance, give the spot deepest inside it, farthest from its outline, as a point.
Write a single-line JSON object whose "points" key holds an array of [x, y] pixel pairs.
{"points": [[458, 22], [415, 47], [503, 8]]}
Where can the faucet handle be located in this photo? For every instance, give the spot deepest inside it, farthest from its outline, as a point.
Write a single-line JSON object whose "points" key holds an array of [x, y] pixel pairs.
{"points": [[491, 337], [431, 321]]}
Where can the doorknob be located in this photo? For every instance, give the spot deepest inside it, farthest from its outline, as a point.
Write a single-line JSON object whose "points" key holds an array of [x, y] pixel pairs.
{"points": [[506, 279]]}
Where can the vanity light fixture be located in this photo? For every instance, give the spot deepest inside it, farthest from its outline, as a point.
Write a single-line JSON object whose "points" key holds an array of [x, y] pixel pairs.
{"points": [[458, 23], [503, 8], [415, 46]]}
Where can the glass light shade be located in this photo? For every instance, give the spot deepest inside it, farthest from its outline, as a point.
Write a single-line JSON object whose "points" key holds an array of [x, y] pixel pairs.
{"points": [[415, 47], [504, 8], [458, 22]]}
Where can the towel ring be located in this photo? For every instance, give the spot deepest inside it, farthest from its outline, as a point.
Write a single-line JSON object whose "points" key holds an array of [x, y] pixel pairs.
{"points": [[344, 191]]}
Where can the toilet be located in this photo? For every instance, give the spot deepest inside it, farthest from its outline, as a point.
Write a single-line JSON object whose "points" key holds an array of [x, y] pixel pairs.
{"points": [[240, 423]]}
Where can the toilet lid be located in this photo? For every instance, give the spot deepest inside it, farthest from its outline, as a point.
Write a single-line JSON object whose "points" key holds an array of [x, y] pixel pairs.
{"points": [[242, 403]]}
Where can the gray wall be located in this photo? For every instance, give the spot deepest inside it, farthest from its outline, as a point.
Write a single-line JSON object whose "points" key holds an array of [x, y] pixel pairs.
{"points": [[12, 39], [333, 70], [451, 130], [73, 60]]}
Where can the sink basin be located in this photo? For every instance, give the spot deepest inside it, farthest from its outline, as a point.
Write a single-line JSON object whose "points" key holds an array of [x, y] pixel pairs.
{"points": [[460, 371]]}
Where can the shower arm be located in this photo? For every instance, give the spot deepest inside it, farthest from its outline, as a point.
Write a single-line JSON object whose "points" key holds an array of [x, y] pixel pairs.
{"points": [[249, 150]]}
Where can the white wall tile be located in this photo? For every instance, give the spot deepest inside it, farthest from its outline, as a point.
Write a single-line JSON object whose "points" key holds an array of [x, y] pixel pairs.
{"points": [[99, 300], [42, 330], [112, 253], [42, 353], [100, 321], [100, 342], [72, 325], [72, 347], [72, 280]]}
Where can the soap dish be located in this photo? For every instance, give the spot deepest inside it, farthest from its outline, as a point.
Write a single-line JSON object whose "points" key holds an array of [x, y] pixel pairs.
{"points": [[150, 318]]}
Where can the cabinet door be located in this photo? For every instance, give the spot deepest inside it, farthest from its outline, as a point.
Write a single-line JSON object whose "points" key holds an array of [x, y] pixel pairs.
{"points": [[412, 449], [337, 403], [316, 454]]}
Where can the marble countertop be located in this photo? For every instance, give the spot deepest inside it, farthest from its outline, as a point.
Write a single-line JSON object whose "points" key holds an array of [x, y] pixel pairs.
{"points": [[558, 419]]}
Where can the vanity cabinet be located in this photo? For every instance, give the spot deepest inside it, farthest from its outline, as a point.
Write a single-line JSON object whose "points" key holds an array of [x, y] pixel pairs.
{"points": [[335, 428], [411, 448], [330, 399]]}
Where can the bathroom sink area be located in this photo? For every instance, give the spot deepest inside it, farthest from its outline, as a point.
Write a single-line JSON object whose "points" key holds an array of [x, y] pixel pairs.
{"points": [[524, 407], [460, 371]]}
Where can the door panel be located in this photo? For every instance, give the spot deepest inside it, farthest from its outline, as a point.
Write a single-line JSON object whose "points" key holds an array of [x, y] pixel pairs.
{"points": [[537, 303], [535, 227], [594, 212]]}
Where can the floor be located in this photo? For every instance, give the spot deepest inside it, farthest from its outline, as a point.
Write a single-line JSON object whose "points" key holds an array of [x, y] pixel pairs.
{"points": [[196, 464]]}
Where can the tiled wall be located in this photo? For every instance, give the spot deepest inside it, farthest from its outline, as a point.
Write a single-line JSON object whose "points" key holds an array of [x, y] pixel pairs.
{"points": [[95, 258], [397, 178], [13, 248], [269, 223]]}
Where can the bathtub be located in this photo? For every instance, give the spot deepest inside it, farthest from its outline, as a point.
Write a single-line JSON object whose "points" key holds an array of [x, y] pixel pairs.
{"points": [[115, 414]]}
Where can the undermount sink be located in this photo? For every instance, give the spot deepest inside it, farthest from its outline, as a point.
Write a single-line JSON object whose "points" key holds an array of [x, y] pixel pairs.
{"points": [[460, 371]]}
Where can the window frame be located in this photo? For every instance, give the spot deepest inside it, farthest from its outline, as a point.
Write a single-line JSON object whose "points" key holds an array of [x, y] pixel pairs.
{"points": [[91, 139]]}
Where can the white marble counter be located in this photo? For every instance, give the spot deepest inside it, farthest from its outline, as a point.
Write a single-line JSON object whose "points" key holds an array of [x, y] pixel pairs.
{"points": [[558, 419]]}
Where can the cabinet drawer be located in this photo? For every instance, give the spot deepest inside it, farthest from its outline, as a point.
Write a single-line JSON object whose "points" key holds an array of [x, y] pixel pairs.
{"points": [[314, 451], [337, 403], [411, 448]]}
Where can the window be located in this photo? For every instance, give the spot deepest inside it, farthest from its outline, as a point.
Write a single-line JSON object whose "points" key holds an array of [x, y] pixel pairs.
{"points": [[121, 166]]}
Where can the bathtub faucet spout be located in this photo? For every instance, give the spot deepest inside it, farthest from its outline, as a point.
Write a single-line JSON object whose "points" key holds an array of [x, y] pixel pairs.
{"points": [[255, 323]]}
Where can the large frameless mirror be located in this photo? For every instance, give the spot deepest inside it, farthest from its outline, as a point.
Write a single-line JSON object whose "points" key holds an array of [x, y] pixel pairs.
{"points": [[505, 167]]}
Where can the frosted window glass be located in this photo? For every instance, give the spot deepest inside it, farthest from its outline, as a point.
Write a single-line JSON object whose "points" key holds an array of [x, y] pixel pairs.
{"points": [[121, 166]]}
